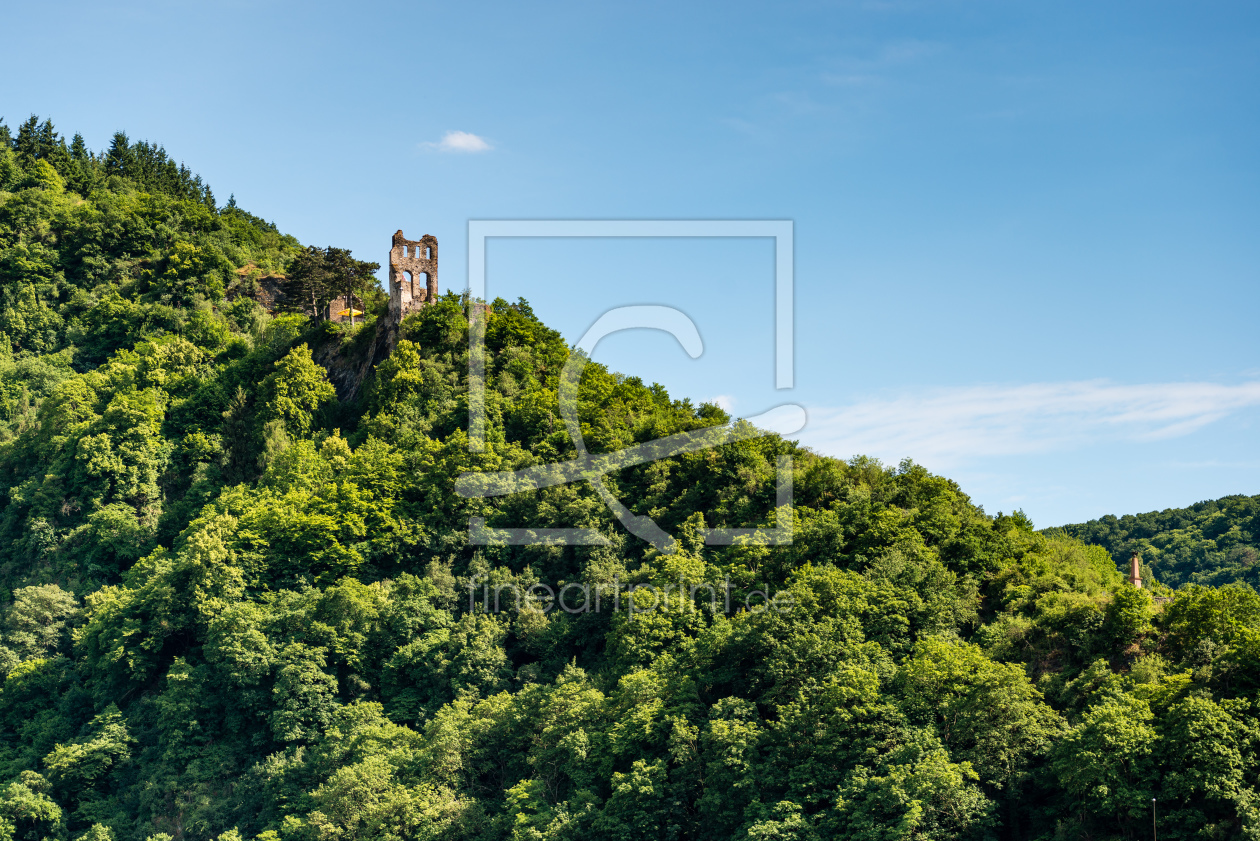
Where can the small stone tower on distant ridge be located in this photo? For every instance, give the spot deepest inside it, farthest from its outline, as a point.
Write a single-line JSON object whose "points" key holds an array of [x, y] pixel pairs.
{"points": [[413, 278], [1135, 573]]}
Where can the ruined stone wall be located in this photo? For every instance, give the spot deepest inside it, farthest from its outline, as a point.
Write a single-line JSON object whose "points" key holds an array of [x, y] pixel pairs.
{"points": [[341, 303], [413, 279]]}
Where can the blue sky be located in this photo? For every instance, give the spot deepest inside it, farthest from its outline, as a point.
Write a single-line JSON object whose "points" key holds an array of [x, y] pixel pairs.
{"points": [[1025, 233]]}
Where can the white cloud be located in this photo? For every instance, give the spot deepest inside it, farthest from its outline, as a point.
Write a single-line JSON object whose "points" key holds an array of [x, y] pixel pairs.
{"points": [[725, 402], [947, 427], [459, 141]]}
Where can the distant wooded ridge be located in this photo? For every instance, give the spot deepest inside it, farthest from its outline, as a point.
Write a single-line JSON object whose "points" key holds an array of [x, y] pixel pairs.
{"points": [[1213, 542]]}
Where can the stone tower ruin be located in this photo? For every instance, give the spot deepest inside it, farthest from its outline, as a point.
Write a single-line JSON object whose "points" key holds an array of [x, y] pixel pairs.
{"points": [[413, 278]]}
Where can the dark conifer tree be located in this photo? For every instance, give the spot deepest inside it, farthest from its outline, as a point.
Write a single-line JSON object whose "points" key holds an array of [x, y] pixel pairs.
{"points": [[78, 149], [306, 287], [27, 140], [118, 158], [316, 277]]}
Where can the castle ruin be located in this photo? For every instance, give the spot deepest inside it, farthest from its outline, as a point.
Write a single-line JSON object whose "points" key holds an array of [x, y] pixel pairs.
{"points": [[413, 284], [413, 278]]}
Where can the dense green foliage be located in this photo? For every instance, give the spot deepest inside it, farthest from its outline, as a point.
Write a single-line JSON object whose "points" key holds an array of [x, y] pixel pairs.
{"points": [[241, 609], [1212, 543]]}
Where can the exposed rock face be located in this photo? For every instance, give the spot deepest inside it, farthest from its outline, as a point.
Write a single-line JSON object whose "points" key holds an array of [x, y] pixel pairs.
{"points": [[269, 291], [349, 367]]}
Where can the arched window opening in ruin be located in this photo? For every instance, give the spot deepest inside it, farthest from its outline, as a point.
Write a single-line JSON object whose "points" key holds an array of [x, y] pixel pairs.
{"points": [[413, 280]]}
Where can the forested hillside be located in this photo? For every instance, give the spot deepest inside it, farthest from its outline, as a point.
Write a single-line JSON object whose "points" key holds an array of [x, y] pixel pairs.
{"points": [[239, 608], [1214, 542]]}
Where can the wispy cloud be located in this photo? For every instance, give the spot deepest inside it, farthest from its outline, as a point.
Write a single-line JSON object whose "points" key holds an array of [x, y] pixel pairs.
{"points": [[725, 402], [853, 70], [947, 427], [459, 141]]}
